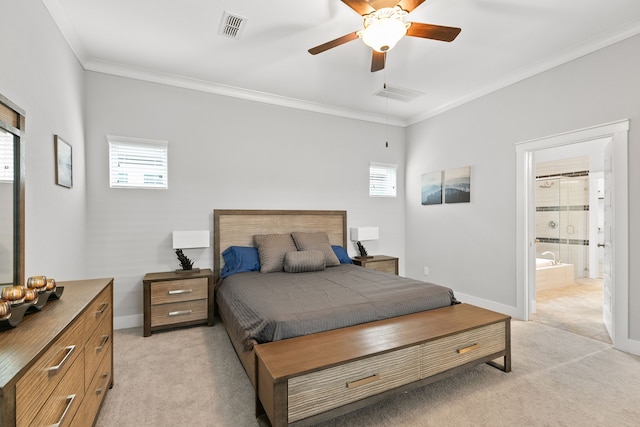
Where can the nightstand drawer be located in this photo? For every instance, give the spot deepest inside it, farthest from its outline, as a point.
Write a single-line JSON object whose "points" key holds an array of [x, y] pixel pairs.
{"points": [[389, 266], [178, 312], [385, 263], [179, 290]]}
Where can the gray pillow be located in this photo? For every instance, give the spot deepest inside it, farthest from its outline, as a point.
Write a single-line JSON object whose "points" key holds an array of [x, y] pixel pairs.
{"points": [[271, 249], [316, 241], [304, 261]]}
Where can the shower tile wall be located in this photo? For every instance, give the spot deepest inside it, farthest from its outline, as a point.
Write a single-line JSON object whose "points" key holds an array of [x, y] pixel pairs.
{"points": [[562, 218]]}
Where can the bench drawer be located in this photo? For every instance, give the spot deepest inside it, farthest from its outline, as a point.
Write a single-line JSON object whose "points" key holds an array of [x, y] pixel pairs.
{"points": [[458, 349], [330, 388]]}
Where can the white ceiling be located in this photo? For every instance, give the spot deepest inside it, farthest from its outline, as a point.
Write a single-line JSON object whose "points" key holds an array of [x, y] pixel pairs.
{"points": [[177, 42]]}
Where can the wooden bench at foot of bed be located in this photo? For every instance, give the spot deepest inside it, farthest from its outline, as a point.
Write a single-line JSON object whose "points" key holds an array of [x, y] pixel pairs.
{"points": [[305, 380]]}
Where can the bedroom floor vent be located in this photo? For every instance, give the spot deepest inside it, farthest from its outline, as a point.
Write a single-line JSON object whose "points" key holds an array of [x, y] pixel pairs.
{"points": [[232, 25], [398, 93]]}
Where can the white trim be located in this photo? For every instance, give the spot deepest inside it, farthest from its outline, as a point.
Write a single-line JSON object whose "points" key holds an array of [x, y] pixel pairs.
{"points": [[125, 322], [525, 239], [509, 310], [235, 92]]}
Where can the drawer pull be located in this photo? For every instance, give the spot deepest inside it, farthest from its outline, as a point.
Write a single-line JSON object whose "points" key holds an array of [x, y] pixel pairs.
{"points": [[105, 375], [102, 308], [180, 312], [105, 338], [363, 381], [54, 369], [468, 349], [70, 399], [180, 291]]}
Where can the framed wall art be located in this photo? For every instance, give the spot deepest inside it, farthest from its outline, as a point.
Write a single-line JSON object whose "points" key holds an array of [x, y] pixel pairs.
{"points": [[457, 185], [64, 162], [432, 188]]}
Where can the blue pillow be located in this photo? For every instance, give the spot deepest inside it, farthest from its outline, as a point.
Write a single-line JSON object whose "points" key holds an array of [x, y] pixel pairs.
{"points": [[342, 254], [238, 259]]}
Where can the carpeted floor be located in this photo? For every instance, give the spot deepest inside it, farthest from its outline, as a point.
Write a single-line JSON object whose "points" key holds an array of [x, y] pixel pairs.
{"points": [[191, 377]]}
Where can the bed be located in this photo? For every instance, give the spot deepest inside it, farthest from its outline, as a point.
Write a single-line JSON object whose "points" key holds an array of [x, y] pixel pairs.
{"points": [[324, 360]]}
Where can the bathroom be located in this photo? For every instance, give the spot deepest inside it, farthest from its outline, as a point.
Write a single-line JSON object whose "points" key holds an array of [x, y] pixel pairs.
{"points": [[569, 212]]}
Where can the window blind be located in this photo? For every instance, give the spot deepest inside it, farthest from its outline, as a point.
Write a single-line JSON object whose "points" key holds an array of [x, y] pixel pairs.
{"points": [[137, 163], [382, 179], [6, 157]]}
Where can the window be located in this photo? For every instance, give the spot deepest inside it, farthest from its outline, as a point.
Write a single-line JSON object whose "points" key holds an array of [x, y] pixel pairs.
{"points": [[137, 163], [6, 156], [382, 180]]}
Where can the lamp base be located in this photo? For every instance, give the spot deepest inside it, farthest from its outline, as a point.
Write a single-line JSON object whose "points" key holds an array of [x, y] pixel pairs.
{"points": [[363, 257], [193, 270]]}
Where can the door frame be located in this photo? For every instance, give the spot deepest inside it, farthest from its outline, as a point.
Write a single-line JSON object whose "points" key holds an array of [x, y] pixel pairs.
{"points": [[525, 221]]}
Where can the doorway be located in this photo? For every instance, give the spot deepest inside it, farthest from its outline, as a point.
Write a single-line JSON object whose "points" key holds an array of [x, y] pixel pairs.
{"points": [[569, 234], [615, 315]]}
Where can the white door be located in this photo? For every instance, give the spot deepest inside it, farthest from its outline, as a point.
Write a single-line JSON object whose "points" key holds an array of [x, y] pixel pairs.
{"points": [[608, 278]]}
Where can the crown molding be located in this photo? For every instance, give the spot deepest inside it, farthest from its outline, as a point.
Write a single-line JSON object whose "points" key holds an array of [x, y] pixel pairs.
{"points": [[235, 92], [604, 40]]}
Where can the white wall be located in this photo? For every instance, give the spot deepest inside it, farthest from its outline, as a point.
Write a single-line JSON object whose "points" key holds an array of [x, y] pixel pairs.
{"points": [[224, 153], [39, 73], [471, 247]]}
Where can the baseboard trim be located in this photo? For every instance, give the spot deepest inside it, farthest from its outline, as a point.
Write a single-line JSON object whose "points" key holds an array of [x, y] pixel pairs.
{"points": [[125, 322], [489, 305]]}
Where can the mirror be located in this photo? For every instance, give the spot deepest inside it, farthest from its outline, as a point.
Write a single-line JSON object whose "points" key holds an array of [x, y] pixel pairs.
{"points": [[11, 193]]}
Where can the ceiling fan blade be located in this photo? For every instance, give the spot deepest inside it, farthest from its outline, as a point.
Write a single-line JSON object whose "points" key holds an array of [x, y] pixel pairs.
{"points": [[435, 32], [379, 4], [409, 5], [377, 60], [360, 6], [333, 43]]}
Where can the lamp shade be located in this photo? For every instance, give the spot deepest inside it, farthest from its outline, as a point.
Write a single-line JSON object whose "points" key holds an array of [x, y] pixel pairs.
{"points": [[191, 239], [364, 233]]}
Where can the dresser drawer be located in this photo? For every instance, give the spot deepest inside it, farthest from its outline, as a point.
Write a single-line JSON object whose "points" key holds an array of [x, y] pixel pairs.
{"points": [[96, 391], [388, 266], [458, 349], [34, 388], [178, 312], [97, 311], [179, 290], [65, 400], [96, 347], [330, 388]]}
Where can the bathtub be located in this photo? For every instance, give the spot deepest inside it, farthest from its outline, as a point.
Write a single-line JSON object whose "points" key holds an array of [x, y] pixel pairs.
{"points": [[549, 276]]}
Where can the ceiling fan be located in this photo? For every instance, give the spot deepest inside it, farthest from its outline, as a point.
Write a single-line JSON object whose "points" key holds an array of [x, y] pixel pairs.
{"points": [[384, 26]]}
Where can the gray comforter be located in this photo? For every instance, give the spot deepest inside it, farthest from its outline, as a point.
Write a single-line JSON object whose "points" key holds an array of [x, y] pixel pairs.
{"points": [[263, 307]]}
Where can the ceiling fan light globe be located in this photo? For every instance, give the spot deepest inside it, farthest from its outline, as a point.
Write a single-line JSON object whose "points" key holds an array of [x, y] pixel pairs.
{"points": [[382, 34]]}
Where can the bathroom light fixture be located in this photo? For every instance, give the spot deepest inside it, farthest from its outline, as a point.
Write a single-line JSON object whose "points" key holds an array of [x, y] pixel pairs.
{"points": [[384, 28], [359, 234], [189, 240]]}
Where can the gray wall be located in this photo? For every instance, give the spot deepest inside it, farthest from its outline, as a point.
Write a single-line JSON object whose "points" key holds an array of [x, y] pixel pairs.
{"points": [[224, 153], [39, 73], [472, 247]]}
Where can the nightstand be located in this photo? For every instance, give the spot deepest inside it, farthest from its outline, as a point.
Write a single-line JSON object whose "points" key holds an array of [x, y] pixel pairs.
{"points": [[177, 299], [378, 262]]}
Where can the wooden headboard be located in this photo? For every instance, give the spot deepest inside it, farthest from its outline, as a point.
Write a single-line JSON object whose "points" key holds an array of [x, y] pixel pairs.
{"points": [[237, 227]]}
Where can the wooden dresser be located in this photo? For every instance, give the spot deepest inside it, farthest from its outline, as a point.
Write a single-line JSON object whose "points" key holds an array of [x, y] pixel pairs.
{"points": [[57, 364]]}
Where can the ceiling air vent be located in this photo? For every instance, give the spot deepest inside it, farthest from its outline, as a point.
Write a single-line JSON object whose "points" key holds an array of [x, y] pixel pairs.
{"points": [[398, 93], [232, 25]]}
